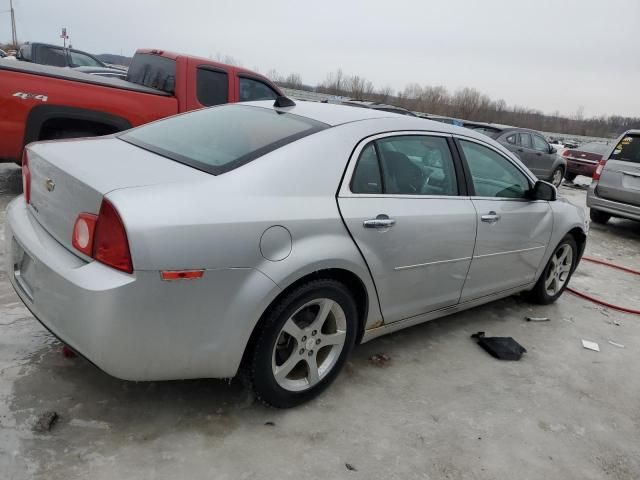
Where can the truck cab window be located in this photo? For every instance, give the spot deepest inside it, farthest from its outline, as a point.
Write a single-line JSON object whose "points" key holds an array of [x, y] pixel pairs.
{"points": [[255, 90], [212, 87]]}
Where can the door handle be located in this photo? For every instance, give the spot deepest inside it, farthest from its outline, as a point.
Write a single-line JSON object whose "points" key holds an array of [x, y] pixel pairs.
{"points": [[631, 174], [520, 150], [381, 221], [539, 154], [491, 217]]}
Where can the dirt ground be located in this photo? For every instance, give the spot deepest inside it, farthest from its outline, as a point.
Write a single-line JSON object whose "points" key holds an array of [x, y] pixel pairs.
{"points": [[440, 408]]}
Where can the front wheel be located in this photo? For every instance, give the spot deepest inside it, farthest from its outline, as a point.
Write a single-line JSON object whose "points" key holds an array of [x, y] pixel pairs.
{"points": [[304, 343], [556, 177], [556, 274]]}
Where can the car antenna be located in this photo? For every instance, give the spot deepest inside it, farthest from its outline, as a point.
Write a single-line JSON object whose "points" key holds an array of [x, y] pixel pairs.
{"points": [[283, 101]]}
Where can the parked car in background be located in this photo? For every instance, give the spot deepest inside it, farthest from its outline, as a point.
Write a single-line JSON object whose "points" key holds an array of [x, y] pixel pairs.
{"points": [[615, 189], [2, 53], [584, 159], [110, 72], [530, 146], [41, 102], [347, 224], [57, 56]]}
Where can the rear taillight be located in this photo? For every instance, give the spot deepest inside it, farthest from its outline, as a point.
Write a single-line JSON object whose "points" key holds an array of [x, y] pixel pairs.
{"points": [[83, 230], [598, 172], [103, 237], [26, 177], [566, 153]]}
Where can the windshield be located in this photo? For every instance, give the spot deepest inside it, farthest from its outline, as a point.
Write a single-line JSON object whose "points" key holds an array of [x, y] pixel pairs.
{"points": [[222, 138]]}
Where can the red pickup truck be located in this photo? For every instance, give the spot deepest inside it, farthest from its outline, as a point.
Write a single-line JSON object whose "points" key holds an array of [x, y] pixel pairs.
{"points": [[39, 102]]}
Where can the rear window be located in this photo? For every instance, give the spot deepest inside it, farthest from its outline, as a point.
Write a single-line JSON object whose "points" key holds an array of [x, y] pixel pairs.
{"points": [[219, 139], [153, 71], [628, 149]]}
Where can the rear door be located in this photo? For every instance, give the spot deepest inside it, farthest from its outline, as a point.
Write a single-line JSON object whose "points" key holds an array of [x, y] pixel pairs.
{"points": [[620, 178], [513, 231], [405, 204]]}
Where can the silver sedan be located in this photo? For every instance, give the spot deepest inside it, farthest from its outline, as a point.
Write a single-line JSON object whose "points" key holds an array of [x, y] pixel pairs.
{"points": [[269, 239]]}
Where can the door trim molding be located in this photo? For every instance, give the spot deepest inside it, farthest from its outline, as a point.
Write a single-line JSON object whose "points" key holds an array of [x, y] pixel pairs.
{"points": [[437, 262], [510, 251]]}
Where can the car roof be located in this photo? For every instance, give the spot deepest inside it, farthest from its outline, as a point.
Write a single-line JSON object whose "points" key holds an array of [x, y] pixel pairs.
{"points": [[336, 114]]}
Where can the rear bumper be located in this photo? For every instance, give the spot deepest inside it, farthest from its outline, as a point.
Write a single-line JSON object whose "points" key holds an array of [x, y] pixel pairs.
{"points": [[579, 168], [134, 327], [614, 208]]}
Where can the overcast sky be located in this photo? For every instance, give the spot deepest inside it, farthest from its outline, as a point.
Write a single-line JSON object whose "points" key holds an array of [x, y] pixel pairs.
{"points": [[545, 54]]}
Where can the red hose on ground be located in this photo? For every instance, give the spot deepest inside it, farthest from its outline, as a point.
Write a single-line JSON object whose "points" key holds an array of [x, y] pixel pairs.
{"points": [[602, 302]]}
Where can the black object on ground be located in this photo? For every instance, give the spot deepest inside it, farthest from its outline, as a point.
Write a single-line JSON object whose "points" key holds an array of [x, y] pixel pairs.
{"points": [[45, 422], [503, 348], [350, 467]]}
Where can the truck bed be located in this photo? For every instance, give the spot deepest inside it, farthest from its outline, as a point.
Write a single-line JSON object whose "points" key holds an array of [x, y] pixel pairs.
{"points": [[72, 75]]}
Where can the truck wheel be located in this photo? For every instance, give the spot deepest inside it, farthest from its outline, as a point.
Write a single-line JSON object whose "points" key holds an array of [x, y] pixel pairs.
{"points": [[556, 275], [304, 343], [599, 217], [570, 176]]}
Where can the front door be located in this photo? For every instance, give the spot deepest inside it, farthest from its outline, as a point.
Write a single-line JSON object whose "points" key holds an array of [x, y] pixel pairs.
{"points": [[405, 208], [513, 232]]}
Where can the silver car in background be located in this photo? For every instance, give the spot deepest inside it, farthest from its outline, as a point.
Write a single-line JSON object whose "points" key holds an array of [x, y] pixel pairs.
{"points": [[269, 239], [615, 190]]}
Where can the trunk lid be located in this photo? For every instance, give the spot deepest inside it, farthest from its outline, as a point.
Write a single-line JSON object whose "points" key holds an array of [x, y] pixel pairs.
{"points": [[580, 156], [620, 178], [70, 177]]}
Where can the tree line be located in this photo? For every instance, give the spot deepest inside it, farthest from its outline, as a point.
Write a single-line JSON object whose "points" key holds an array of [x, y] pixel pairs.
{"points": [[465, 103]]}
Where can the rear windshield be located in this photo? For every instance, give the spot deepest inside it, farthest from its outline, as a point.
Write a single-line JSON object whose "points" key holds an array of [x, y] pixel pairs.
{"points": [[153, 71], [222, 138], [594, 147], [628, 150]]}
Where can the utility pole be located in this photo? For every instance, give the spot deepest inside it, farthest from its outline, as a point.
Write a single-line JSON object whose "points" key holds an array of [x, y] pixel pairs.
{"points": [[14, 34]]}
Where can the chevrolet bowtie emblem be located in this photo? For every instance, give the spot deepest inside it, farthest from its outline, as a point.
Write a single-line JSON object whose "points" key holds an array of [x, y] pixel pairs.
{"points": [[50, 184]]}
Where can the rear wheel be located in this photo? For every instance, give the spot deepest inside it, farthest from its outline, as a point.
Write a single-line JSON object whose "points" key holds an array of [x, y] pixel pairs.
{"points": [[599, 217], [304, 343], [556, 177], [570, 176], [556, 274]]}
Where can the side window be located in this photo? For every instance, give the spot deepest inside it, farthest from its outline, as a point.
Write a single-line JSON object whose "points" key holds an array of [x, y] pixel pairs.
{"points": [[492, 174], [511, 139], [255, 90], [525, 140], [56, 57], [417, 165], [78, 59], [212, 87], [366, 178], [540, 144]]}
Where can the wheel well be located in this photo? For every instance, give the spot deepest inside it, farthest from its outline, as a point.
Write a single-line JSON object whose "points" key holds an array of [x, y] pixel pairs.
{"points": [[349, 279], [52, 128], [581, 239]]}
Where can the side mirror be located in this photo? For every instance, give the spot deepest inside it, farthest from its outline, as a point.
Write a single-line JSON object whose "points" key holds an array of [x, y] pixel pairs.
{"points": [[543, 191], [552, 149]]}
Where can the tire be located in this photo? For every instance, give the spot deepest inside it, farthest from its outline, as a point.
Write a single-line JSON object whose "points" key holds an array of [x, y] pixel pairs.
{"points": [[547, 291], [295, 332], [570, 176], [599, 217], [556, 177]]}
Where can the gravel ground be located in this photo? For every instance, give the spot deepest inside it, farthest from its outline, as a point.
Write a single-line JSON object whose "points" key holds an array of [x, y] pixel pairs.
{"points": [[439, 408]]}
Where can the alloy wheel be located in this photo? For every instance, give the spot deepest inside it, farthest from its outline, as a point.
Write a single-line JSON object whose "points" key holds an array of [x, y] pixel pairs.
{"points": [[309, 345], [559, 269], [557, 177]]}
